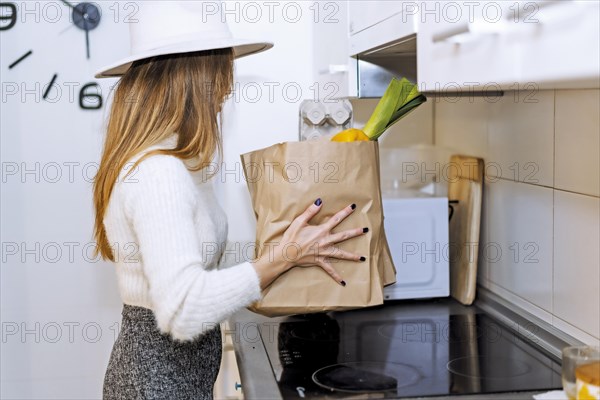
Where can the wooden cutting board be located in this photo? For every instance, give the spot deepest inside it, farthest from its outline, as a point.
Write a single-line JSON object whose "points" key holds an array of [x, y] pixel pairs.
{"points": [[465, 192]]}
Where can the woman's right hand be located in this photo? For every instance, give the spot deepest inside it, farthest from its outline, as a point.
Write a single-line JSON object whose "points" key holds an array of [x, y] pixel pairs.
{"points": [[307, 245]]}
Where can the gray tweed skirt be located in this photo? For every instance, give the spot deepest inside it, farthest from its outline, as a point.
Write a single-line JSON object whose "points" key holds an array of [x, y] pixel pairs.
{"points": [[146, 364]]}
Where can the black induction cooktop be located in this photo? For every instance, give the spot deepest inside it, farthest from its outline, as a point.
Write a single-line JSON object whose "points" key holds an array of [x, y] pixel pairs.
{"points": [[408, 349]]}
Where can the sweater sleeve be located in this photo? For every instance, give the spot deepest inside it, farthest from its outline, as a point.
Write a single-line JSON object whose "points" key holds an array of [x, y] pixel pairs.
{"points": [[187, 299], [236, 251]]}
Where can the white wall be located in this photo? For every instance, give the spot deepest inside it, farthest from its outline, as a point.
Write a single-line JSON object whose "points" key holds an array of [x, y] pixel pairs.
{"points": [[58, 309], [541, 199]]}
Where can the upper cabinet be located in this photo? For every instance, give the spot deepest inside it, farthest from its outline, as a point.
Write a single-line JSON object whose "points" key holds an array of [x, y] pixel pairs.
{"points": [[490, 45], [333, 68], [375, 24], [450, 46], [359, 45]]}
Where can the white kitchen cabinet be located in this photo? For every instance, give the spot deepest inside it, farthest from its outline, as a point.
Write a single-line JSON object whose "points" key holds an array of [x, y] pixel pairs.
{"points": [[450, 57], [227, 385], [562, 50], [366, 14], [373, 24], [346, 35], [526, 45], [334, 69]]}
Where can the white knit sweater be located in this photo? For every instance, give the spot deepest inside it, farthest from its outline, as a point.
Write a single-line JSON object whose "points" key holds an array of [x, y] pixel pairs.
{"points": [[168, 234]]}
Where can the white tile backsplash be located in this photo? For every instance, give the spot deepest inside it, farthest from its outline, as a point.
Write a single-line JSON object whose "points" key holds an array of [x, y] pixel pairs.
{"points": [[577, 157], [577, 260], [462, 125], [521, 138], [545, 207], [461, 128], [519, 251], [520, 302], [575, 332]]}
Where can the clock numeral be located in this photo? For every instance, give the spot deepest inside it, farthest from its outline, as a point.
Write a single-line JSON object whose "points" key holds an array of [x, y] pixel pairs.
{"points": [[94, 98], [24, 56], [12, 16], [49, 86]]}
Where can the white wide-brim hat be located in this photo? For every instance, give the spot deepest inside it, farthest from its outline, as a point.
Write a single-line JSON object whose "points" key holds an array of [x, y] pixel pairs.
{"points": [[172, 27]]}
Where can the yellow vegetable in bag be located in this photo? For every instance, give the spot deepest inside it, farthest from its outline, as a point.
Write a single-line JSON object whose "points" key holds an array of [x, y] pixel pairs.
{"points": [[400, 98]]}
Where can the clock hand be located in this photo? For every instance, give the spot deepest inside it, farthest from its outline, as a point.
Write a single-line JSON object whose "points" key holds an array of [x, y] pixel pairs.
{"points": [[72, 7], [88, 12], [66, 29], [87, 40], [86, 16]]}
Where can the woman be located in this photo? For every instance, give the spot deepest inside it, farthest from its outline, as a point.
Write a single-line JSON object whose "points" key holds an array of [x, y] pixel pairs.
{"points": [[155, 219]]}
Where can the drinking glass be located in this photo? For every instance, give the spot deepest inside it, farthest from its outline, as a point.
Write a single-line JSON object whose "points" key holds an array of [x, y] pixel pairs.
{"points": [[572, 357]]}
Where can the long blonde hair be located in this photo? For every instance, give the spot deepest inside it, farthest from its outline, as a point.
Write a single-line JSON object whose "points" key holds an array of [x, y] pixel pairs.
{"points": [[155, 98]]}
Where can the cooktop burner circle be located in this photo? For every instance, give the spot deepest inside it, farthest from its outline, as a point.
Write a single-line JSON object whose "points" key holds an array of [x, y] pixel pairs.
{"points": [[366, 376], [493, 367]]}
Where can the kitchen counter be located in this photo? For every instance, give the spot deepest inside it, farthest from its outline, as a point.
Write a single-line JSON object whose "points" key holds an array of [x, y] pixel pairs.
{"points": [[257, 373]]}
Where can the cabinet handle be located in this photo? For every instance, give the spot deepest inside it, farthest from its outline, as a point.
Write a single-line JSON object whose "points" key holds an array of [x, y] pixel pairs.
{"points": [[238, 386], [455, 31]]}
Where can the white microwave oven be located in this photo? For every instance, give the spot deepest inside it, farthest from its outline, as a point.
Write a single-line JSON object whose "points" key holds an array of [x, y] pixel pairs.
{"points": [[416, 227]]}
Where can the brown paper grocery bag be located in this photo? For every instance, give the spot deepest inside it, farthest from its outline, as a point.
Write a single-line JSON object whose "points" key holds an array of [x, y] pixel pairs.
{"points": [[389, 270], [286, 178]]}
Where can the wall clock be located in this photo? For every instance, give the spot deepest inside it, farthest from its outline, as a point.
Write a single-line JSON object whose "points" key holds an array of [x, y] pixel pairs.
{"points": [[60, 16]]}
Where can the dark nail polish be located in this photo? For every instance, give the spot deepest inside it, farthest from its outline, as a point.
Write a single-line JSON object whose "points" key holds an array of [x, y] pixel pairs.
{"points": [[353, 206], [343, 283], [318, 202], [363, 259], [365, 230]]}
